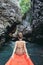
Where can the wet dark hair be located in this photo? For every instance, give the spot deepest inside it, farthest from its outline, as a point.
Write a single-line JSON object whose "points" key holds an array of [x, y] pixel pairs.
{"points": [[20, 35]]}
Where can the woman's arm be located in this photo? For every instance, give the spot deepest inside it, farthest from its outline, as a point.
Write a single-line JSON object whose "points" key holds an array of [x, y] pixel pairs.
{"points": [[26, 49], [14, 48]]}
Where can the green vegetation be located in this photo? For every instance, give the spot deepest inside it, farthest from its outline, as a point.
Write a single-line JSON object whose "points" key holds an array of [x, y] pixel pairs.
{"points": [[25, 6]]}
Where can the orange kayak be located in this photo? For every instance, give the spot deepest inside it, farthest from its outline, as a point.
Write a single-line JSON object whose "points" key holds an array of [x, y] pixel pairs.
{"points": [[19, 60]]}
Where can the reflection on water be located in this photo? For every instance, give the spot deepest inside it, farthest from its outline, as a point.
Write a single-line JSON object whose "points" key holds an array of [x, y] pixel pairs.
{"points": [[35, 51]]}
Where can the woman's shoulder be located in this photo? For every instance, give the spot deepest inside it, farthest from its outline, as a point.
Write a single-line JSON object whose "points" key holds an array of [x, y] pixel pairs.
{"points": [[21, 41], [17, 42], [24, 41]]}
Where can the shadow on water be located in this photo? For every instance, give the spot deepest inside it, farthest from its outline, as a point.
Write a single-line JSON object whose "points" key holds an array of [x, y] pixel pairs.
{"points": [[35, 52]]}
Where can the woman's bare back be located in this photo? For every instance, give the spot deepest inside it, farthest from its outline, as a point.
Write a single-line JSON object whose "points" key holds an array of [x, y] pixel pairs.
{"points": [[20, 47]]}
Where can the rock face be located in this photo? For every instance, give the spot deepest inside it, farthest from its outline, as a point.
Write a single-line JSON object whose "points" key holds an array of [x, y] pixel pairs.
{"points": [[10, 16], [37, 20]]}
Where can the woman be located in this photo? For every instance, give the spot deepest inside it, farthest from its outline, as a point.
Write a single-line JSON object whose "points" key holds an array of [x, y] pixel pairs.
{"points": [[20, 55]]}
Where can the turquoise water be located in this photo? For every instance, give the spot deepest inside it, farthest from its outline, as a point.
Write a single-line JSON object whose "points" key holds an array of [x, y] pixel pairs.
{"points": [[35, 52]]}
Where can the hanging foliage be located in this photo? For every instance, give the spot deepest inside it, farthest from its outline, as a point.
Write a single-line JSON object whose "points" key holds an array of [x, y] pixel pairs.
{"points": [[25, 6]]}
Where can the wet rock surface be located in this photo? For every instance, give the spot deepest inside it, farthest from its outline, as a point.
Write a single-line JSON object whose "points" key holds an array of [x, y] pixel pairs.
{"points": [[10, 16], [37, 20]]}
